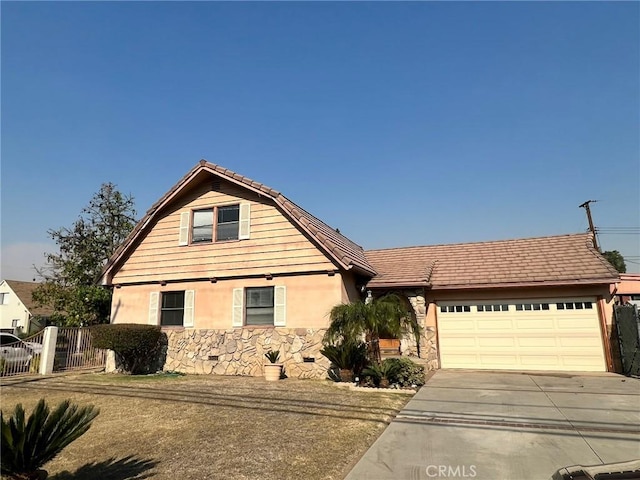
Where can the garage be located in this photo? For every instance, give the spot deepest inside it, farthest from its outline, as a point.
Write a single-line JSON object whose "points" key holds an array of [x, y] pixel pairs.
{"points": [[561, 334]]}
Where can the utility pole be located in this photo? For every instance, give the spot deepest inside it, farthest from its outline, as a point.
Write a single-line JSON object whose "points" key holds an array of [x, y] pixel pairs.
{"points": [[585, 205]]}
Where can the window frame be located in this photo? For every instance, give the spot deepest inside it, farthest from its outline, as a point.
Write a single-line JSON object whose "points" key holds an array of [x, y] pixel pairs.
{"points": [[246, 307], [162, 308], [214, 226]]}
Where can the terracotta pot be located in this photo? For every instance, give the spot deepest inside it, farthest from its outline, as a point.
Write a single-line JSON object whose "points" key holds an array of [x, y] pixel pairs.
{"points": [[272, 371], [346, 375], [389, 343]]}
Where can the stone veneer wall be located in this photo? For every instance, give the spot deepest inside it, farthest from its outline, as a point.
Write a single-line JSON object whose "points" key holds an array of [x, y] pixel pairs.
{"points": [[241, 351], [428, 345]]}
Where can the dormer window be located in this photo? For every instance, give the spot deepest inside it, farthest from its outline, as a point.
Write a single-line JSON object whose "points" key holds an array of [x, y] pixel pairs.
{"points": [[215, 224]]}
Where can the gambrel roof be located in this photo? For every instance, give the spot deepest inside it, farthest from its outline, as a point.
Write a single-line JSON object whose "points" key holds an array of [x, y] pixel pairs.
{"points": [[343, 252]]}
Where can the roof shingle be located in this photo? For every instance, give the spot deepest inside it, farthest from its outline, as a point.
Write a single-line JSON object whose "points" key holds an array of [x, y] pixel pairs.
{"points": [[563, 259], [24, 291]]}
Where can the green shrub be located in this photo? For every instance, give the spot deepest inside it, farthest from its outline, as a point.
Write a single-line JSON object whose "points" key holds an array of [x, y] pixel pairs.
{"points": [[405, 372], [347, 355], [136, 346], [28, 445]]}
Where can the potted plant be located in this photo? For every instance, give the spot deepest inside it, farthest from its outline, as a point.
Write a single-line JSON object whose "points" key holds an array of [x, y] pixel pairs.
{"points": [[272, 370], [348, 357]]}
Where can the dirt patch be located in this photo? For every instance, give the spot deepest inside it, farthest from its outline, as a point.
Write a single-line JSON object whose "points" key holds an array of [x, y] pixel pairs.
{"points": [[208, 427]]}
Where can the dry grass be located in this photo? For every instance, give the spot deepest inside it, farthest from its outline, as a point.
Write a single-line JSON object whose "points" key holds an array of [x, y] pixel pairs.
{"points": [[208, 427]]}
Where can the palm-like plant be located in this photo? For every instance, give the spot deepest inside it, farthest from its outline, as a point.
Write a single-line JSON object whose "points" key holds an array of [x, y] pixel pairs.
{"points": [[28, 445], [349, 357], [383, 373], [352, 321], [273, 355]]}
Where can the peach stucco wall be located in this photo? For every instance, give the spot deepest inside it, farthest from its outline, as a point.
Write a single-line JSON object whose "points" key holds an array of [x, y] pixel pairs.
{"points": [[309, 299]]}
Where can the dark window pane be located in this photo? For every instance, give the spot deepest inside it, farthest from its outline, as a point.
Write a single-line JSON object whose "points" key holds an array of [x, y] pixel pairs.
{"points": [[443, 309], [536, 306], [568, 306], [467, 308], [560, 306], [172, 311], [480, 308], [260, 316], [173, 300], [458, 308], [527, 306], [505, 308], [579, 305], [588, 305], [202, 226], [519, 307], [172, 317], [228, 223], [545, 306], [227, 231], [259, 306], [229, 214]]}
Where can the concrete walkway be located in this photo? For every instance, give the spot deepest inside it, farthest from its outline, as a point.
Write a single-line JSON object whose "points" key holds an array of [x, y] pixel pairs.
{"points": [[489, 425]]}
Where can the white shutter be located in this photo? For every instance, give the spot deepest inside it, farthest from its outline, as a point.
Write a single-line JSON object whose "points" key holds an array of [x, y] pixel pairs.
{"points": [[184, 228], [245, 221], [280, 306], [237, 310], [154, 299], [189, 301]]}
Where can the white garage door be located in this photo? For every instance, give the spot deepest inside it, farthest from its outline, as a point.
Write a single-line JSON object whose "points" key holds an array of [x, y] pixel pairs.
{"points": [[547, 334]]}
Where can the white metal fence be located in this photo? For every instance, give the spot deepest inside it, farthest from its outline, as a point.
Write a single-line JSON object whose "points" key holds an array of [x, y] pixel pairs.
{"points": [[74, 351], [51, 350]]}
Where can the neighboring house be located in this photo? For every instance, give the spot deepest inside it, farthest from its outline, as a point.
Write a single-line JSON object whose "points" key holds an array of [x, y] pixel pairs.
{"points": [[231, 269], [627, 290], [18, 311]]}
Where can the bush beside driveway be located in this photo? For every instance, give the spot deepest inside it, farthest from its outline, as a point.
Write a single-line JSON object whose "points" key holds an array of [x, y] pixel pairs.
{"points": [[489, 425], [208, 427]]}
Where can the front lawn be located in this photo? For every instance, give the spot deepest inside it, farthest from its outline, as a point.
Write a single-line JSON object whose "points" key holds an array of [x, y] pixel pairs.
{"points": [[207, 427]]}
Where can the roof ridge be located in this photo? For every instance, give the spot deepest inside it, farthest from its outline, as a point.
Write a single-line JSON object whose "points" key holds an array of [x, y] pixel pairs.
{"points": [[478, 242]]}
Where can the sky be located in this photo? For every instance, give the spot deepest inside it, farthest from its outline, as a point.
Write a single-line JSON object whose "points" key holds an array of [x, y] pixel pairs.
{"points": [[400, 123]]}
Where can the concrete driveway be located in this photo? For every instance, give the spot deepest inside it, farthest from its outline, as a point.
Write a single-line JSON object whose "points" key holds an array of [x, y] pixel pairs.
{"points": [[493, 426]]}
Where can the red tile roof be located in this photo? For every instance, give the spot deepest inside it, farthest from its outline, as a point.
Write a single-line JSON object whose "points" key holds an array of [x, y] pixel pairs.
{"points": [[345, 253], [556, 260]]}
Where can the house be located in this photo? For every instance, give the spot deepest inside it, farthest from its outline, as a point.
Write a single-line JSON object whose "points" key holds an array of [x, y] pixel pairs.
{"points": [[627, 290], [231, 269], [18, 312]]}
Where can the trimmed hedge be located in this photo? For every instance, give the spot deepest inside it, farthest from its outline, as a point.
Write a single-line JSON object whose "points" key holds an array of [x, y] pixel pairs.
{"points": [[135, 345]]}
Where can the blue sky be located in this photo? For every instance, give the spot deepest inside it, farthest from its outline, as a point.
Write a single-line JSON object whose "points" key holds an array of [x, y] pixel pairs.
{"points": [[399, 123]]}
